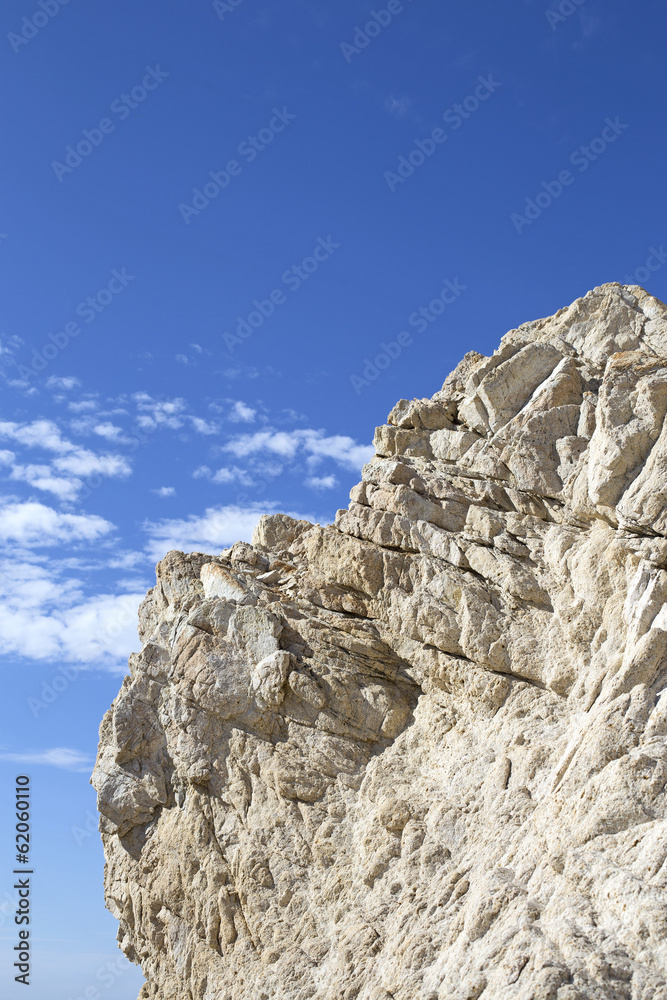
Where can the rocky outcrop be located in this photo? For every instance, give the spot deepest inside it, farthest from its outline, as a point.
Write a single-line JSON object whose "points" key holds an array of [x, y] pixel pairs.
{"points": [[422, 752]]}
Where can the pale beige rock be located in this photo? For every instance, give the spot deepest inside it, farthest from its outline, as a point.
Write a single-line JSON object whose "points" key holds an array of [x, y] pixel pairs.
{"points": [[421, 753]]}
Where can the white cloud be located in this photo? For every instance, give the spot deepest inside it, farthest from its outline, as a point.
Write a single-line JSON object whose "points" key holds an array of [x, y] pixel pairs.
{"points": [[61, 476], [83, 425], [21, 383], [65, 383], [322, 482], [38, 434], [343, 450], [154, 413], [67, 487], [125, 560], [216, 529], [82, 406], [46, 615], [227, 475], [233, 475], [102, 626], [241, 370], [63, 757], [83, 462], [42, 478], [108, 430], [315, 444], [33, 524], [30, 586], [242, 413], [50, 607], [203, 426], [283, 443], [134, 584]]}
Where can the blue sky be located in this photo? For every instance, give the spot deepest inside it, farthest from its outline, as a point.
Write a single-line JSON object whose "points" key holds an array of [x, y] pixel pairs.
{"points": [[232, 236]]}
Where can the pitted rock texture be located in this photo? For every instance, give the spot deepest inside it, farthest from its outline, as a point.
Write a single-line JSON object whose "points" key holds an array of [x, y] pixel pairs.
{"points": [[422, 752]]}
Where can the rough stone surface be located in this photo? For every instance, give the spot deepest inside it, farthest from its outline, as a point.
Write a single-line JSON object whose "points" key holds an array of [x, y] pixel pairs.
{"points": [[421, 753]]}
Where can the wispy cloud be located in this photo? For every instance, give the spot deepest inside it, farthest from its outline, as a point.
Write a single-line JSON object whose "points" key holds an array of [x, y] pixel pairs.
{"points": [[86, 463], [62, 757], [321, 482], [64, 473], [83, 405], [41, 477], [235, 474], [191, 359], [157, 413], [398, 106], [65, 383], [242, 413], [313, 444], [203, 426], [168, 414], [9, 345], [215, 529]]}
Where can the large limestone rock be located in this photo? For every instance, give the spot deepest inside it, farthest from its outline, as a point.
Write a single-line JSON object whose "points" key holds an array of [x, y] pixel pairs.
{"points": [[421, 753]]}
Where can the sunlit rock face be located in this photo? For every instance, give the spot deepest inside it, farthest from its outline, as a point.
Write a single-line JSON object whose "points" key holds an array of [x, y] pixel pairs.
{"points": [[421, 752]]}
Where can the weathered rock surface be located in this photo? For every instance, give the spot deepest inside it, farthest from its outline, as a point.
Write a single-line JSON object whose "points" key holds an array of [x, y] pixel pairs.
{"points": [[421, 752]]}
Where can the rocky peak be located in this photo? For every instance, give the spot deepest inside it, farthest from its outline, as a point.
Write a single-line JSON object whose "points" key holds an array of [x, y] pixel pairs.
{"points": [[421, 752]]}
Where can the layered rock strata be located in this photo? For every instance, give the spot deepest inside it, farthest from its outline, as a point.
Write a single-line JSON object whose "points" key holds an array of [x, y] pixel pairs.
{"points": [[421, 752]]}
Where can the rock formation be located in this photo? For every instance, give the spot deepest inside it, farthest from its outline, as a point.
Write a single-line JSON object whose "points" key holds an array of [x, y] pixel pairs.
{"points": [[422, 752]]}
